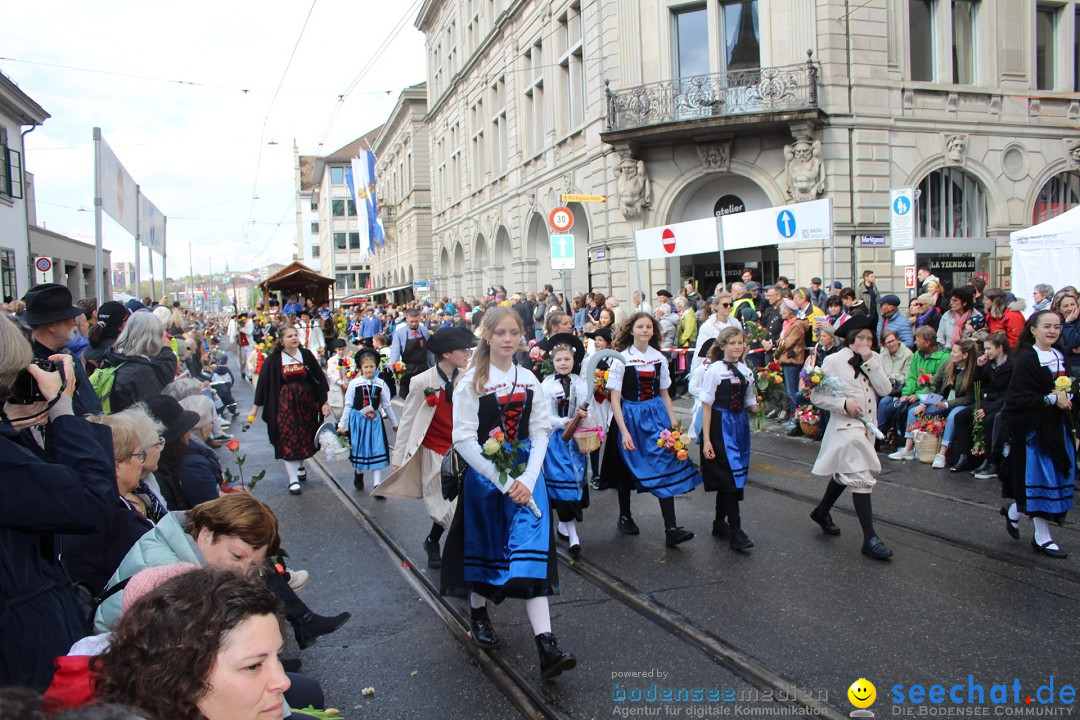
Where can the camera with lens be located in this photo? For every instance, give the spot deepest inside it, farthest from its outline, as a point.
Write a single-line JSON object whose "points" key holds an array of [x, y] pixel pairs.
{"points": [[25, 390]]}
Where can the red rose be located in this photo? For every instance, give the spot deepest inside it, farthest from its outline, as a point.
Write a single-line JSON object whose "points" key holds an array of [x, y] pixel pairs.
{"points": [[233, 445], [432, 400]]}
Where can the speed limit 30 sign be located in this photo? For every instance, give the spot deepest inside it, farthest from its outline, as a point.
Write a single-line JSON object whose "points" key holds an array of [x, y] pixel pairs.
{"points": [[561, 219]]}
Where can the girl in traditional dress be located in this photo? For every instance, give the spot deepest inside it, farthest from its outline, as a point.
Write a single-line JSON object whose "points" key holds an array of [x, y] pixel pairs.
{"points": [[497, 547], [564, 463], [362, 421], [642, 410], [292, 391], [847, 453], [727, 394], [1039, 467], [600, 407], [337, 374]]}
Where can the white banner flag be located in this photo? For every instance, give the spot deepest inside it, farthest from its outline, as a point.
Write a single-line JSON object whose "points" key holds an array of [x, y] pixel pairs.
{"points": [[151, 226], [116, 186], [686, 238]]}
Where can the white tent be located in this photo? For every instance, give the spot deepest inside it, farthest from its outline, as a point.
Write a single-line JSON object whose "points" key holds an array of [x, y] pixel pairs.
{"points": [[1046, 253]]}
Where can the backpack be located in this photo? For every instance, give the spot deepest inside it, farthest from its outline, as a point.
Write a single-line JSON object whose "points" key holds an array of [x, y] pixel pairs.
{"points": [[102, 381]]}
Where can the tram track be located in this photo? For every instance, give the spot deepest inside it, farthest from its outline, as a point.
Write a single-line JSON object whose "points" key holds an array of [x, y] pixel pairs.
{"points": [[526, 694]]}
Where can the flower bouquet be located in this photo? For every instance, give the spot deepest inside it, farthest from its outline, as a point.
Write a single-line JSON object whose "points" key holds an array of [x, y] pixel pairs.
{"points": [[504, 455], [398, 368], [978, 440], [334, 446], [770, 388], [431, 396], [754, 332], [808, 418], [600, 391], [927, 431], [809, 379], [836, 386], [673, 441]]}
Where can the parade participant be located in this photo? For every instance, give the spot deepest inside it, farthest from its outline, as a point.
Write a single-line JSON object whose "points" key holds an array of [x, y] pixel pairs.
{"points": [[424, 435], [847, 454], [409, 347], [642, 409], [337, 377], [600, 407], [241, 331], [497, 547], [311, 336], [362, 420], [292, 389], [1039, 472], [370, 326], [727, 394], [564, 464]]}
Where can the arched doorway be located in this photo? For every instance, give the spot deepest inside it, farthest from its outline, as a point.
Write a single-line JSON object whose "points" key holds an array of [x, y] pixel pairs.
{"points": [[457, 279], [480, 263], [537, 256], [501, 257], [1059, 194], [443, 286], [951, 236]]}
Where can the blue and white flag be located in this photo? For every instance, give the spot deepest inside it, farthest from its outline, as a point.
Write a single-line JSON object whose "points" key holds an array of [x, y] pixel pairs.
{"points": [[367, 204]]}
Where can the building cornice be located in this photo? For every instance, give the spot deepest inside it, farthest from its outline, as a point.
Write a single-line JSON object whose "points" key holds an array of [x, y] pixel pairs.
{"points": [[18, 105]]}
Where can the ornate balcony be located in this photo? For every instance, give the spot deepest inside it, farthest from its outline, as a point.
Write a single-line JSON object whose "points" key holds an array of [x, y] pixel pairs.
{"points": [[716, 99]]}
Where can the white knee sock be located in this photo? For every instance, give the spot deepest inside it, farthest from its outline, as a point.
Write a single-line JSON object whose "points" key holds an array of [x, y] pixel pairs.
{"points": [[562, 528], [571, 530], [291, 467], [477, 601], [376, 478], [539, 615], [1042, 532]]}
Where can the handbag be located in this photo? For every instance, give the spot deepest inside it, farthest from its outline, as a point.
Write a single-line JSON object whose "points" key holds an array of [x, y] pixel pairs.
{"points": [[452, 473]]}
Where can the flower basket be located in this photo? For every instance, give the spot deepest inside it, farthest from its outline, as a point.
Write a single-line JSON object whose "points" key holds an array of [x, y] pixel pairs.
{"points": [[810, 430], [588, 439], [927, 445]]}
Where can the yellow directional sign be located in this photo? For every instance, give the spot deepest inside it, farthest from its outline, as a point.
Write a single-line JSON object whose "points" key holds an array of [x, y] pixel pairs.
{"points": [[571, 197]]}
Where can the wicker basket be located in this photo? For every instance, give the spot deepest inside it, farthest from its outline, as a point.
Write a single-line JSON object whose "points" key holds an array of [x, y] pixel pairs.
{"points": [[588, 439], [809, 429], [927, 446]]}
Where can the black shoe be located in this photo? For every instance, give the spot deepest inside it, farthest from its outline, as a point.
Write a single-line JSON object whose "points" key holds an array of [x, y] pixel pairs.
{"points": [[301, 474], [561, 536], [434, 559], [358, 480], [483, 631], [676, 535], [721, 529], [292, 665], [826, 522], [875, 549], [311, 627], [989, 473], [627, 526], [1045, 549], [739, 540], [1011, 526], [553, 661], [985, 464], [575, 550], [795, 431], [294, 488], [962, 463]]}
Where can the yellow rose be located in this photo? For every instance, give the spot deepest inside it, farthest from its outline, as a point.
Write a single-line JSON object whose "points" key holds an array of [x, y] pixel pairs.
{"points": [[491, 446], [1063, 383], [679, 446], [660, 442]]}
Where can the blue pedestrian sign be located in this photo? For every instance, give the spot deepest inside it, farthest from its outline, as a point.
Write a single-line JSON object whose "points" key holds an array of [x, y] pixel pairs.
{"points": [[901, 205], [785, 223], [901, 218]]}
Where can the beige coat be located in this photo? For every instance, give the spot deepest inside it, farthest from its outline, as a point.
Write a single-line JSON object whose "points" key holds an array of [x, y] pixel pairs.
{"points": [[848, 445]]}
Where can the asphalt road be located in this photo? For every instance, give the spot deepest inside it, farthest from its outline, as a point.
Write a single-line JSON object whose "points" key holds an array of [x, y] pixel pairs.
{"points": [[960, 598]]}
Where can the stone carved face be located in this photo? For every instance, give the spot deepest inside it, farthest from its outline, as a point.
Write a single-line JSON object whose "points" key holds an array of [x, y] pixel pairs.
{"points": [[803, 151], [954, 147]]}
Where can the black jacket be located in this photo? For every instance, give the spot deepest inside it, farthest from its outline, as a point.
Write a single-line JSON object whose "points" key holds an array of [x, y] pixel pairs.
{"points": [[200, 474], [92, 559], [995, 384], [268, 388], [67, 489], [139, 378]]}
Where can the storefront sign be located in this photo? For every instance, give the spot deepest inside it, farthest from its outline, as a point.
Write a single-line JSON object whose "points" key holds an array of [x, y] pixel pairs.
{"points": [[729, 205]]}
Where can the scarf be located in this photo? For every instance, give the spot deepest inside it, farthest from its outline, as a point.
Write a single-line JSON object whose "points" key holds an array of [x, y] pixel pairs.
{"points": [[449, 383], [958, 329], [925, 317], [856, 362]]}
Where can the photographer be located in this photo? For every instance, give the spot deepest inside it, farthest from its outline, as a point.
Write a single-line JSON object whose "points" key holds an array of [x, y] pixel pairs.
{"points": [[39, 614], [53, 318]]}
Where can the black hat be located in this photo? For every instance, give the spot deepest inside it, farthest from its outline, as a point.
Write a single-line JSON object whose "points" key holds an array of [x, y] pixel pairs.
{"points": [[365, 351], [855, 324], [172, 415], [815, 281], [663, 293], [604, 332], [49, 303], [450, 339], [706, 347], [567, 339], [112, 314], [889, 300], [134, 305], [338, 342], [303, 312]]}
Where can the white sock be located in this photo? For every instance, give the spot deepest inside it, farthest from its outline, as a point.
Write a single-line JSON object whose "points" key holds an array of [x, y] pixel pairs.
{"points": [[291, 467], [539, 615], [1014, 514], [571, 530], [562, 528], [1042, 532], [477, 601], [376, 478]]}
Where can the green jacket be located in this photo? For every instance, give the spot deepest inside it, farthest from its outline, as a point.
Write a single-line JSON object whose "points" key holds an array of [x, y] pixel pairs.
{"points": [[688, 327], [921, 363]]}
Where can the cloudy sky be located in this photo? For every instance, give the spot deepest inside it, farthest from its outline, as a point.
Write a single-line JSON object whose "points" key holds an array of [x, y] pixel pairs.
{"points": [[201, 148]]}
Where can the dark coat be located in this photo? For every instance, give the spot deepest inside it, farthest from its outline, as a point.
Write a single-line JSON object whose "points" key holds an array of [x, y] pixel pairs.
{"points": [[268, 388], [85, 400], [200, 474], [95, 354], [140, 377], [92, 559], [69, 490], [995, 385]]}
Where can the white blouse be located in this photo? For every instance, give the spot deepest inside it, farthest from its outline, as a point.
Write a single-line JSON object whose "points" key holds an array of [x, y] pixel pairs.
{"points": [[553, 392], [384, 400], [719, 372], [631, 357]]}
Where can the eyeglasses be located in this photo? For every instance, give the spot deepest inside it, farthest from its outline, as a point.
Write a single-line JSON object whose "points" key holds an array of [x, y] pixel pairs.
{"points": [[140, 455], [160, 443], [725, 304]]}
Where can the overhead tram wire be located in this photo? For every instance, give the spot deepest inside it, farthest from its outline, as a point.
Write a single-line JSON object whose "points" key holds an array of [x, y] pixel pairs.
{"points": [[269, 108]]}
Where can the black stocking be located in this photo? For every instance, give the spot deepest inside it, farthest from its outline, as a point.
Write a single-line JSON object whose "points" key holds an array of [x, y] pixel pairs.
{"points": [[667, 509], [624, 500], [865, 510], [832, 493], [436, 533], [731, 509]]}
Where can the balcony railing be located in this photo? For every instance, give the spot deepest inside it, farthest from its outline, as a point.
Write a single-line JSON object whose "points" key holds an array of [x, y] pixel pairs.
{"points": [[736, 92]]}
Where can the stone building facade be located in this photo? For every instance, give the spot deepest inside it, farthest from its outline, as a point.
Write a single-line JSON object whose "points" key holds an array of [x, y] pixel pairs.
{"points": [[678, 110]]}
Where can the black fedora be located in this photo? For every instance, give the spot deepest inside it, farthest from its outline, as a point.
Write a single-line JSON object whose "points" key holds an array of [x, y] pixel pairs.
{"points": [[49, 303], [855, 324], [172, 415], [450, 339]]}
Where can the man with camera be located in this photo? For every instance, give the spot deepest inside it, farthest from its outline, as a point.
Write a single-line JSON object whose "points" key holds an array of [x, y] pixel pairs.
{"points": [[52, 318]]}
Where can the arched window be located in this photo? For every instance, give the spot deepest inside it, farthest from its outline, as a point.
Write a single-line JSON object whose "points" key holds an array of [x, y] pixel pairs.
{"points": [[1060, 194], [951, 204]]}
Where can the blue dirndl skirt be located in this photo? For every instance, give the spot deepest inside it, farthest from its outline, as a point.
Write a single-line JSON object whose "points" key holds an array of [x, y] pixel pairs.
{"points": [[1048, 492], [654, 469], [564, 473], [369, 447], [499, 549], [730, 438]]}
